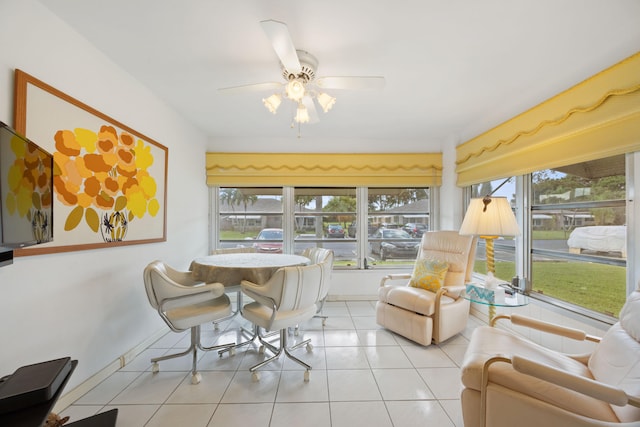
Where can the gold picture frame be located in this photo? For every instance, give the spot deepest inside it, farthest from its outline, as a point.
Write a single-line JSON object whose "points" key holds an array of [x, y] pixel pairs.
{"points": [[110, 181]]}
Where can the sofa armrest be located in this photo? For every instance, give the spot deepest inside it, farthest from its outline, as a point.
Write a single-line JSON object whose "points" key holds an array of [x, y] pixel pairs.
{"points": [[551, 328], [587, 386], [398, 276]]}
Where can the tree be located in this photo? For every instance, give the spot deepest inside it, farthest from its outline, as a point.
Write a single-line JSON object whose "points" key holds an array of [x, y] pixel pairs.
{"points": [[382, 202], [234, 196], [228, 196], [345, 204]]}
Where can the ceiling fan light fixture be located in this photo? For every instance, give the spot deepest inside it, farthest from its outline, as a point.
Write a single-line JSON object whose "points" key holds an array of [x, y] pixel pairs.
{"points": [[272, 103], [326, 101], [298, 69], [295, 89], [302, 115]]}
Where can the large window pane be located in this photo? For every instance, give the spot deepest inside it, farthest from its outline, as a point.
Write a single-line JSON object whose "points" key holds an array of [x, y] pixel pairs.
{"points": [[251, 217], [396, 220], [291, 219], [579, 234], [322, 218]]}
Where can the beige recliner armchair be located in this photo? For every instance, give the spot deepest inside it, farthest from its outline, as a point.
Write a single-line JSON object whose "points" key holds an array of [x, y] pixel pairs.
{"points": [[421, 315], [511, 381]]}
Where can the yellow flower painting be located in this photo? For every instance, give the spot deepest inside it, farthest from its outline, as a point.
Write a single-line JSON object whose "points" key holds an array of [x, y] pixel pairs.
{"points": [[109, 181], [104, 177]]}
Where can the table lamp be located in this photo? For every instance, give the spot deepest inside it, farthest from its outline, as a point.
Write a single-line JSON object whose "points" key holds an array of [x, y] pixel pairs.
{"points": [[489, 218]]}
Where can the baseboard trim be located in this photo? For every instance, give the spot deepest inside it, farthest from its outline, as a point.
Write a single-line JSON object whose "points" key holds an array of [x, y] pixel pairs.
{"points": [[352, 297], [83, 388], [480, 314]]}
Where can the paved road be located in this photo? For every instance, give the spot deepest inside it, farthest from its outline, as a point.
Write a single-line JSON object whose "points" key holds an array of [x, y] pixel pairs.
{"points": [[345, 249]]}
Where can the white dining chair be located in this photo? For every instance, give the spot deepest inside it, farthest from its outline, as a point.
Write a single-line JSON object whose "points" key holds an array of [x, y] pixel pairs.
{"points": [[290, 297], [184, 303]]}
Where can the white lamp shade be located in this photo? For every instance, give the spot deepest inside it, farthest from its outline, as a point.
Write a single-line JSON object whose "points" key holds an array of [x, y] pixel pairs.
{"points": [[302, 115], [272, 103], [295, 90], [496, 220], [326, 101]]}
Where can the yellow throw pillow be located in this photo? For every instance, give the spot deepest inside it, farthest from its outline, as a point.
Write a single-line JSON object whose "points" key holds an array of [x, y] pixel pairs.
{"points": [[429, 274]]}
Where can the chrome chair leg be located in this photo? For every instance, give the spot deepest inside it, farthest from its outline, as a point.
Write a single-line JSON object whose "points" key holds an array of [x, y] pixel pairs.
{"points": [[301, 343], [231, 349], [266, 343], [193, 349], [283, 349], [172, 356]]}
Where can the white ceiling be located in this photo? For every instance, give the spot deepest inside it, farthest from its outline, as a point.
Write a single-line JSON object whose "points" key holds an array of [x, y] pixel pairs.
{"points": [[453, 68]]}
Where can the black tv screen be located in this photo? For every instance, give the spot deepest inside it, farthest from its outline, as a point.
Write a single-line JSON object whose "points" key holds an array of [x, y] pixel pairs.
{"points": [[26, 191]]}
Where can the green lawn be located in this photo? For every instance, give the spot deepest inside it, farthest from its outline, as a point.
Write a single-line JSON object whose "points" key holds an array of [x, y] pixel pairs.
{"points": [[599, 287], [550, 235], [237, 235]]}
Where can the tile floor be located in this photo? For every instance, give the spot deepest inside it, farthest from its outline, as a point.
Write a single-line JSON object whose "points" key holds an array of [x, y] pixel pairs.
{"points": [[362, 375]]}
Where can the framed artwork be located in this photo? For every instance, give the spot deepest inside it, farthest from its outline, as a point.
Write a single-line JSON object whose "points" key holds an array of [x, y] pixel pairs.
{"points": [[110, 181]]}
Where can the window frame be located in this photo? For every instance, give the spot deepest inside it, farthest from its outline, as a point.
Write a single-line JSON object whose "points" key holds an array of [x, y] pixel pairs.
{"points": [[288, 221], [524, 251]]}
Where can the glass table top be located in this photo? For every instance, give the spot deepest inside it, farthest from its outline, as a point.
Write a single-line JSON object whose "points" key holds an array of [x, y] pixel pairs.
{"points": [[514, 300]]}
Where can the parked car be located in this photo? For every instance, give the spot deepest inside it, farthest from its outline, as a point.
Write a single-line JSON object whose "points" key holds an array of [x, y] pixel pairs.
{"points": [[415, 229], [393, 243], [388, 225], [335, 231], [274, 245], [353, 228]]}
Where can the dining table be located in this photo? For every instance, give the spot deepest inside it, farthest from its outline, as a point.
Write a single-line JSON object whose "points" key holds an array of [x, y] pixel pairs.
{"points": [[232, 268]]}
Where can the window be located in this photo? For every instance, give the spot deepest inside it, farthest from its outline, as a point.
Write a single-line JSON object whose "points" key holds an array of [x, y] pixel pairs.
{"points": [[246, 212], [290, 219], [574, 246], [578, 233], [322, 217], [396, 220]]}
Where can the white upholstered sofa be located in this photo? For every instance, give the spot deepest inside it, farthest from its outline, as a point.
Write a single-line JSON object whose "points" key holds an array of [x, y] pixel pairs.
{"points": [[511, 381]]}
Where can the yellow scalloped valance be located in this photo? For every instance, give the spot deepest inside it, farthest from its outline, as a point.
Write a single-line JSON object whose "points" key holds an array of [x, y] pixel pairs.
{"points": [[597, 118], [324, 170]]}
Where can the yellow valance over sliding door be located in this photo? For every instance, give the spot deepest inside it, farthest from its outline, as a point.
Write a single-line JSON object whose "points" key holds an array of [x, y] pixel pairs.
{"points": [[324, 170], [597, 118]]}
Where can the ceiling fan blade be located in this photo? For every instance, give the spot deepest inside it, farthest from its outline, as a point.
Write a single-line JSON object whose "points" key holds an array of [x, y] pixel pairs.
{"points": [[311, 109], [278, 34], [257, 87], [351, 83]]}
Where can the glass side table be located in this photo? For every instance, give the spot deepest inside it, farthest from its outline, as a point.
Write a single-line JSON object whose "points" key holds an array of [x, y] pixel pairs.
{"points": [[515, 300]]}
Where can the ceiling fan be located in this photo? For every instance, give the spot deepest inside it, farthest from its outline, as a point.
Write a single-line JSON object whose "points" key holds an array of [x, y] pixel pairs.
{"points": [[301, 84]]}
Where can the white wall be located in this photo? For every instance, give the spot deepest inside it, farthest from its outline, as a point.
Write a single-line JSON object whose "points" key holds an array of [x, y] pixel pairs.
{"points": [[451, 213], [91, 305]]}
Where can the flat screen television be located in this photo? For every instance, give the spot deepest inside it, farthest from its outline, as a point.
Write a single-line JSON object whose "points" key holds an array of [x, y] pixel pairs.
{"points": [[26, 193]]}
